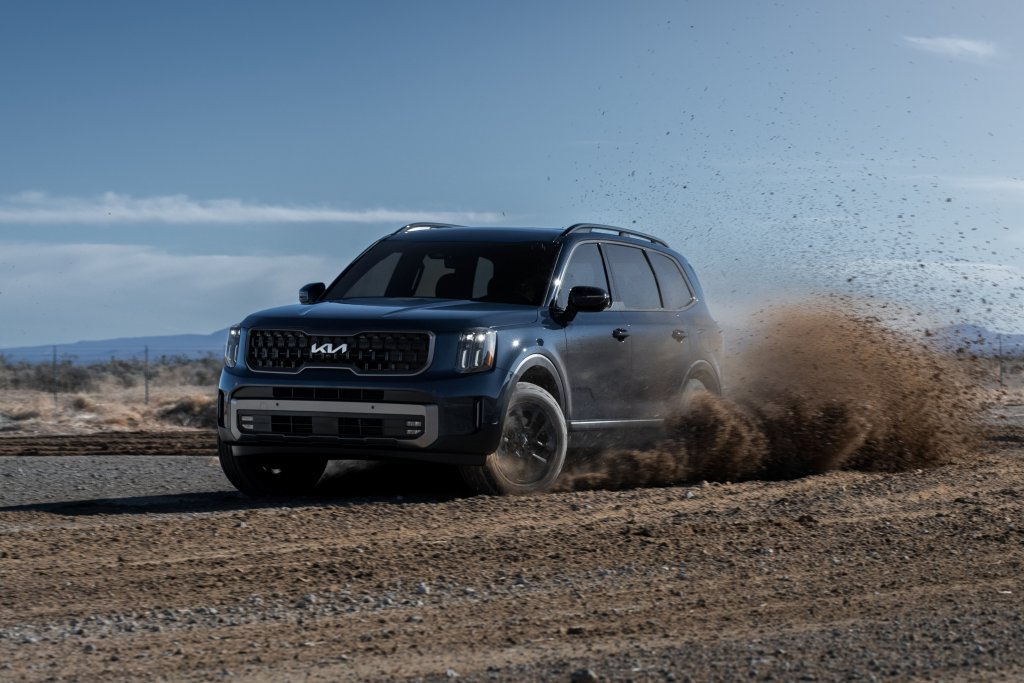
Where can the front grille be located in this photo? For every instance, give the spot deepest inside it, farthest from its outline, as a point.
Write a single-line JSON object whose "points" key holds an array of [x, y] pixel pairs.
{"points": [[328, 394], [365, 353]]}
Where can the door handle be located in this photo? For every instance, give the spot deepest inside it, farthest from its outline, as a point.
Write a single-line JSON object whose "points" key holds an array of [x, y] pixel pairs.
{"points": [[620, 333], [679, 335]]}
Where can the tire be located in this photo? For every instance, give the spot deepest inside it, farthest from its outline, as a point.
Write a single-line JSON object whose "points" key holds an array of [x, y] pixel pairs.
{"points": [[693, 388], [260, 476], [532, 450], [701, 382]]}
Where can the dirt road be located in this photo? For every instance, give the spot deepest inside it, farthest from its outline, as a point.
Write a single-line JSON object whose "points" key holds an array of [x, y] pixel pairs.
{"points": [[394, 576]]}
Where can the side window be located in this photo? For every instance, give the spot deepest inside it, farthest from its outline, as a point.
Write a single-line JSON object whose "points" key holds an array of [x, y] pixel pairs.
{"points": [[482, 278], [585, 268], [674, 290], [635, 285]]}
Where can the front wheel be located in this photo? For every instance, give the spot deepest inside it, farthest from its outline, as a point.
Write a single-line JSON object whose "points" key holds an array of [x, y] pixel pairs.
{"points": [[259, 476], [531, 453]]}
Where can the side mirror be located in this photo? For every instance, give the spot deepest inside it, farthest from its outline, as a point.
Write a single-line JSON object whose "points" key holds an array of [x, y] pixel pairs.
{"points": [[311, 292], [588, 299]]}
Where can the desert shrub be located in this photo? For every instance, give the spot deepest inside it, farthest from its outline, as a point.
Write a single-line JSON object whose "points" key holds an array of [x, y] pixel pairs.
{"points": [[83, 404], [122, 373], [72, 377], [198, 410], [178, 371]]}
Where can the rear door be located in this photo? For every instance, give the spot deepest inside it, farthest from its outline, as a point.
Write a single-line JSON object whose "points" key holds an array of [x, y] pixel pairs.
{"points": [[678, 299], [659, 337]]}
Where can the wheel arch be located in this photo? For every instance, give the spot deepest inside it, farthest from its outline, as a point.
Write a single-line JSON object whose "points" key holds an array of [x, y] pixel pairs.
{"points": [[706, 373], [541, 371]]}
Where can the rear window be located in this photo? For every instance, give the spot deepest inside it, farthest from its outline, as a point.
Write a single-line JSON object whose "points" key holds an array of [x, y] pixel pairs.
{"points": [[674, 290], [634, 282], [512, 273]]}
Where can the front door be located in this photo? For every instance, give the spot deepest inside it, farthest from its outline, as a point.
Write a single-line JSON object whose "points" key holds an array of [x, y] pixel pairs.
{"points": [[599, 363]]}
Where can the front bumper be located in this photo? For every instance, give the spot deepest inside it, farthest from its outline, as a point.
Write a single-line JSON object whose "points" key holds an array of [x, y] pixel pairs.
{"points": [[449, 421], [415, 425]]}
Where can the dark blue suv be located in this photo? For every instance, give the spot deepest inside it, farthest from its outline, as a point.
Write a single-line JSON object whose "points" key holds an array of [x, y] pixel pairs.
{"points": [[493, 349]]}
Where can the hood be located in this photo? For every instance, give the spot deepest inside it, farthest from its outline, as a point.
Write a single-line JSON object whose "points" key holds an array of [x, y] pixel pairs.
{"points": [[354, 315]]}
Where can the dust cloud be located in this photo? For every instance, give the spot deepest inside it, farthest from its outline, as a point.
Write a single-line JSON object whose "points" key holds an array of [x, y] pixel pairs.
{"points": [[813, 389]]}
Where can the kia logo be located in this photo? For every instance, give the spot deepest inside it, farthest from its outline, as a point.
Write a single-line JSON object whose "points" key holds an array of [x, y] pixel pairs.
{"points": [[329, 348]]}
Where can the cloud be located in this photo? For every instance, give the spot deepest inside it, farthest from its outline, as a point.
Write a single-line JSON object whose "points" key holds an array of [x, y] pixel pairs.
{"points": [[959, 48], [37, 208], [990, 184], [68, 292]]}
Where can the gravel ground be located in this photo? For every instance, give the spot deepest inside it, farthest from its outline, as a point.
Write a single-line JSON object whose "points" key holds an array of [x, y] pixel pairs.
{"points": [[151, 568], [46, 479]]}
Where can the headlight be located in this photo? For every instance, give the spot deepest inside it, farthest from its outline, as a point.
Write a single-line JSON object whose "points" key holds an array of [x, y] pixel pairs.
{"points": [[476, 350], [231, 348]]}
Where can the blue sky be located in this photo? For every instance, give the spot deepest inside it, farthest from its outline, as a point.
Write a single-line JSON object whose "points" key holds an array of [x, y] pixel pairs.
{"points": [[167, 168]]}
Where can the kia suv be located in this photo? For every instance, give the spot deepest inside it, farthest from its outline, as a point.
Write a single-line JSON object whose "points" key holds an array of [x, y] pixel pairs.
{"points": [[493, 349]]}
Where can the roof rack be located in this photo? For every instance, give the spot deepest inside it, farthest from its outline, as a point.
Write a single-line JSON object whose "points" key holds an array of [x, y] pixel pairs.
{"points": [[425, 225], [621, 232]]}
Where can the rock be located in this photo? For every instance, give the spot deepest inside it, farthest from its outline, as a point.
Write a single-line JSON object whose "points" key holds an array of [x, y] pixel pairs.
{"points": [[451, 673], [422, 589], [584, 676]]}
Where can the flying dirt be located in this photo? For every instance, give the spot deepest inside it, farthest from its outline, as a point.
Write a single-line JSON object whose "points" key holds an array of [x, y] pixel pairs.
{"points": [[811, 390]]}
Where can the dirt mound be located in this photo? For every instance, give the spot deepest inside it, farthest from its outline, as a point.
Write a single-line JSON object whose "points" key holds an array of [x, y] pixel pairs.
{"points": [[812, 390]]}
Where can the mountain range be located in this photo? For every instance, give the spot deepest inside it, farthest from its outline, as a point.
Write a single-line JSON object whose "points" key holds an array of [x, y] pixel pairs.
{"points": [[124, 348]]}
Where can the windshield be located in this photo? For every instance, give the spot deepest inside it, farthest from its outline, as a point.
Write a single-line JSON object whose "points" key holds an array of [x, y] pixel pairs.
{"points": [[508, 273]]}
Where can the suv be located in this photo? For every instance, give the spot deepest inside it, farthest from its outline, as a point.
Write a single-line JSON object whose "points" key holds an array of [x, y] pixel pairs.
{"points": [[493, 349]]}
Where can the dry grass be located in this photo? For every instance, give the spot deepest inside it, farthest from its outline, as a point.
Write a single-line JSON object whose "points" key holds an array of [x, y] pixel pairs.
{"points": [[111, 408]]}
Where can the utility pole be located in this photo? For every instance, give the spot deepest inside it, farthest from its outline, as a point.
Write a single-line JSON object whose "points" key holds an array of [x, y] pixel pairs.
{"points": [[145, 372], [54, 368]]}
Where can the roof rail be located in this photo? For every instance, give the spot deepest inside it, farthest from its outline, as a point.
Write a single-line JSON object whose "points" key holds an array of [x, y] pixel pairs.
{"points": [[621, 232], [425, 225]]}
